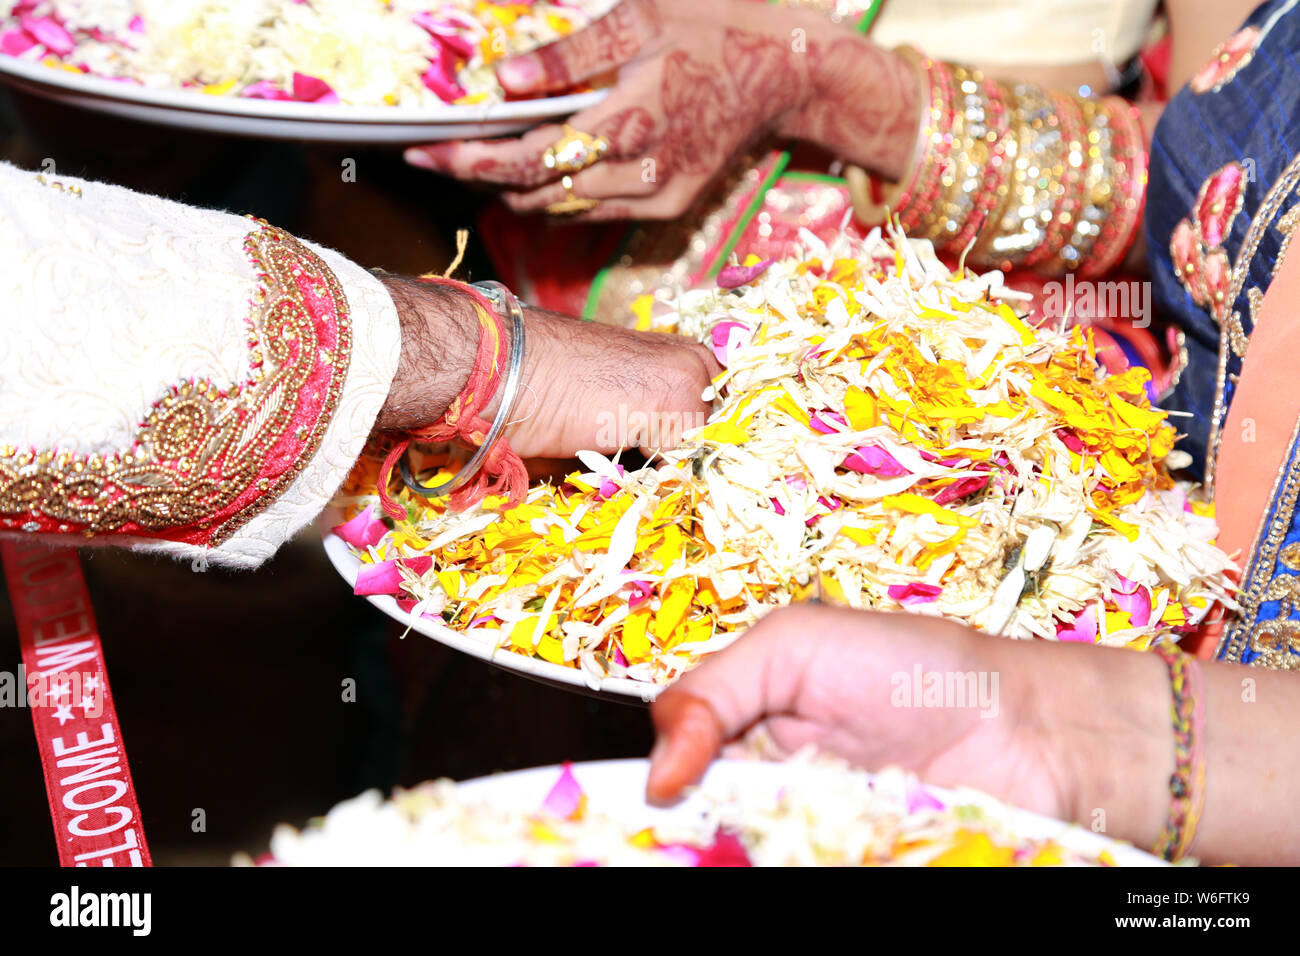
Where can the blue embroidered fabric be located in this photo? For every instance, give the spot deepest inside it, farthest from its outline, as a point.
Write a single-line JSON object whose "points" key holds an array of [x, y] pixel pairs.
{"points": [[1222, 204]]}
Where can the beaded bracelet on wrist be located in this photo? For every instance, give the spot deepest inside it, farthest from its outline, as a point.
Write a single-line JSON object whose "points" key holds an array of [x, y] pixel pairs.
{"points": [[1187, 782]]}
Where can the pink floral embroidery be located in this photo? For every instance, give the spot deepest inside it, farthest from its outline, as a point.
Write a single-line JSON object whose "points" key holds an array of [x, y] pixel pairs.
{"points": [[1196, 246], [1226, 61]]}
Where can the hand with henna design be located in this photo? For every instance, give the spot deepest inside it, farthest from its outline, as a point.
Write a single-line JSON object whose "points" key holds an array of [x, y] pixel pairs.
{"points": [[697, 85]]}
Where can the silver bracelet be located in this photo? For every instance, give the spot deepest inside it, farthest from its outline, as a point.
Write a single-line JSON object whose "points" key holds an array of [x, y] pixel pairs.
{"points": [[501, 298]]}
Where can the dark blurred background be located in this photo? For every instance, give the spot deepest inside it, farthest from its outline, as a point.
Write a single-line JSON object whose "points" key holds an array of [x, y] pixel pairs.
{"points": [[229, 686]]}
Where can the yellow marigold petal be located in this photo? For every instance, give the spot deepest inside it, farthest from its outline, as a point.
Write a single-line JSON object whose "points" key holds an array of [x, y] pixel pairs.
{"points": [[542, 833], [1123, 527], [673, 607], [917, 505], [1009, 316], [551, 648], [450, 581], [787, 404], [641, 310], [722, 433], [1174, 614], [671, 549], [1118, 621], [931, 552], [525, 630], [694, 632], [860, 409], [831, 588], [861, 535], [220, 89], [521, 634], [1145, 419], [636, 646], [1049, 855], [559, 24], [971, 848]]}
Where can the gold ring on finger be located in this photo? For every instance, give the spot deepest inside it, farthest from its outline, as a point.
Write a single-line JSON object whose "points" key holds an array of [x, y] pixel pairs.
{"points": [[572, 202], [574, 151]]}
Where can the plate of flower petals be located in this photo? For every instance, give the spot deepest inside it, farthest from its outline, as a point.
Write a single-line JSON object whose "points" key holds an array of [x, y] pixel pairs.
{"points": [[382, 583], [804, 812], [354, 71], [886, 434]]}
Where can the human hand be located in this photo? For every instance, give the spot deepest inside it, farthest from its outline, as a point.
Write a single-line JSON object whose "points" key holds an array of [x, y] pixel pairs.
{"points": [[697, 84], [584, 385], [862, 685]]}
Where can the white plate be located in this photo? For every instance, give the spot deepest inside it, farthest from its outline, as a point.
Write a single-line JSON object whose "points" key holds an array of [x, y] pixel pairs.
{"points": [[287, 120], [617, 788], [566, 678]]}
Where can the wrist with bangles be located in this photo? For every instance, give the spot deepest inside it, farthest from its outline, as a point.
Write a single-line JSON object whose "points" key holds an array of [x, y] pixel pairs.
{"points": [[1013, 175], [494, 467]]}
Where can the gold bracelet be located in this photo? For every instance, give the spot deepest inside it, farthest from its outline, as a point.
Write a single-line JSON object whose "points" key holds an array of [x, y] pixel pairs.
{"points": [[1015, 176]]}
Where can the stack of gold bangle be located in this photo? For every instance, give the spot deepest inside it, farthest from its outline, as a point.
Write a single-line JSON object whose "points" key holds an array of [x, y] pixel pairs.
{"points": [[1015, 176]]}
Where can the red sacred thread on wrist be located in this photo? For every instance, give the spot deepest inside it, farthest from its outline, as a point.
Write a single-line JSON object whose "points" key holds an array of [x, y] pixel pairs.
{"points": [[503, 471]]}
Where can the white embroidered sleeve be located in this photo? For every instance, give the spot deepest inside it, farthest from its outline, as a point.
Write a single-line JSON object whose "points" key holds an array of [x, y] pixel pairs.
{"points": [[175, 379]]}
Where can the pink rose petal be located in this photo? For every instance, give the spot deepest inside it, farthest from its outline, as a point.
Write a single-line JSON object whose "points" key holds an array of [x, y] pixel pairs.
{"points": [[919, 797], [408, 604], [642, 592], [681, 853], [830, 504], [960, 489], [15, 42], [363, 530], [312, 89], [264, 90], [384, 577], [1070, 440], [1137, 605], [914, 593], [727, 338], [822, 422], [441, 78], [565, 799], [446, 34], [50, 33], [733, 277], [1083, 628], [726, 850], [873, 460]]}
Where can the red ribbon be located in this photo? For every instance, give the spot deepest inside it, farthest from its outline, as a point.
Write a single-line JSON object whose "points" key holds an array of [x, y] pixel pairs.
{"points": [[92, 799], [502, 471]]}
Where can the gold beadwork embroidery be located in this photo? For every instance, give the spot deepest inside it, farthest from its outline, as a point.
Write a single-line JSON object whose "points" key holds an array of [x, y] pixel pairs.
{"points": [[73, 190], [203, 445], [1277, 641]]}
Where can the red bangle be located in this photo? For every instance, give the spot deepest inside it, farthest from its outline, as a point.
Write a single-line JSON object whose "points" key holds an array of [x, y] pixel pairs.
{"points": [[1121, 229], [502, 472]]}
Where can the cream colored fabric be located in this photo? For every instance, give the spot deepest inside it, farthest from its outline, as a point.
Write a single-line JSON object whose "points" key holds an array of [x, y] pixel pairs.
{"points": [[109, 298], [1028, 32]]}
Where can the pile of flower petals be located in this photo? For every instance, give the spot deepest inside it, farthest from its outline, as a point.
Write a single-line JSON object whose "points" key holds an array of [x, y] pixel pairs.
{"points": [[885, 435], [825, 815], [359, 52]]}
